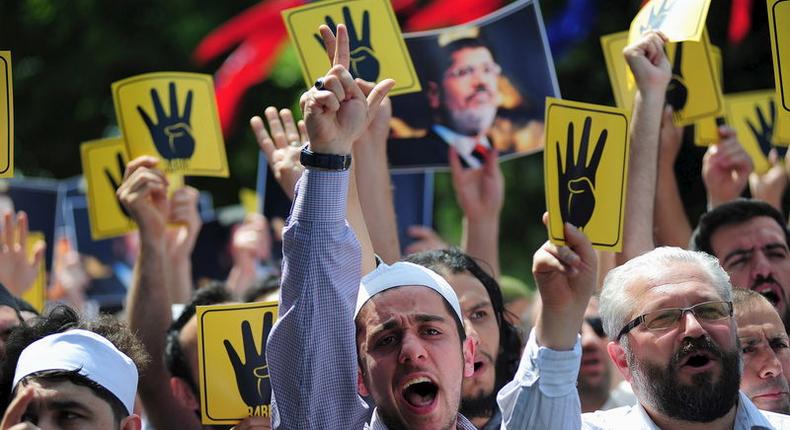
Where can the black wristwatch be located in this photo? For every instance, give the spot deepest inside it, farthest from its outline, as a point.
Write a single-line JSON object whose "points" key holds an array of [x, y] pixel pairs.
{"points": [[324, 161]]}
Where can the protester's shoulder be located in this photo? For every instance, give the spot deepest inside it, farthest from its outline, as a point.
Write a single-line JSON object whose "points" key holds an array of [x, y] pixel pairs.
{"points": [[778, 421], [610, 419]]}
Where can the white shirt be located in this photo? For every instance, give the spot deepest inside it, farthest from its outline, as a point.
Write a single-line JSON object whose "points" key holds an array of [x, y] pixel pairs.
{"points": [[543, 396], [463, 144]]}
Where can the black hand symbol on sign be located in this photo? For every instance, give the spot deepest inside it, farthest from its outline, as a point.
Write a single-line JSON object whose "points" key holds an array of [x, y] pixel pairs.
{"points": [[114, 183], [677, 91], [252, 377], [364, 63], [765, 133], [172, 134], [577, 180]]}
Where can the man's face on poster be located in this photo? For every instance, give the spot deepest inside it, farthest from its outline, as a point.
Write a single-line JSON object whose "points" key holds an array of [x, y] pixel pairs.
{"points": [[467, 97]]}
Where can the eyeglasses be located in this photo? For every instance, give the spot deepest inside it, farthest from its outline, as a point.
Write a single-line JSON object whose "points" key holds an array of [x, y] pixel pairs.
{"points": [[666, 318], [489, 68], [597, 325]]}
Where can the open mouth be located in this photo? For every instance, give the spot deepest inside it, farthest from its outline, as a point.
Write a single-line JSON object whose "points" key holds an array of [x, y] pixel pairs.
{"points": [[770, 292], [420, 392], [696, 360]]}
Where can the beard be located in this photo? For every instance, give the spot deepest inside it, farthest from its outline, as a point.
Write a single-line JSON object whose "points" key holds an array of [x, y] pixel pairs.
{"points": [[471, 121], [482, 405], [705, 399]]}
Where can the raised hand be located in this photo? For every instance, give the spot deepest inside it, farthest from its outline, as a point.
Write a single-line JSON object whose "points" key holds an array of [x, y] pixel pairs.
{"points": [[770, 186], [480, 192], [252, 376], [115, 183], [184, 214], [143, 193], [338, 114], [282, 146], [566, 278], [648, 61], [364, 64], [17, 271], [577, 179], [765, 133], [172, 133], [725, 168]]}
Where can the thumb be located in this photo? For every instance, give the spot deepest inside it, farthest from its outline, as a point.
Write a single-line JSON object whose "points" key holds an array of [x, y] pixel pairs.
{"points": [[377, 94]]}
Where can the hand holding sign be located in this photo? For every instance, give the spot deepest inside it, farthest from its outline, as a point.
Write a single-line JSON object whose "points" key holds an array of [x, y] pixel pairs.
{"points": [[770, 186], [725, 168], [252, 376], [648, 61], [577, 179], [172, 134], [144, 194]]}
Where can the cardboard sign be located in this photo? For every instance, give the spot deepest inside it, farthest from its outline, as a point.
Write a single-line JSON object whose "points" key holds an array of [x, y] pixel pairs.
{"points": [[412, 195], [103, 164], [680, 20], [613, 46], [753, 116], [377, 47], [782, 129], [706, 131], [173, 116], [779, 25], [36, 295], [234, 377], [585, 169], [6, 116]]}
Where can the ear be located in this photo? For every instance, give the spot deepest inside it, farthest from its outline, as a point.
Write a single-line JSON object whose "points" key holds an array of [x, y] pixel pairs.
{"points": [[132, 422], [434, 101], [362, 389], [618, 356], [469, 350], [183, 393]]}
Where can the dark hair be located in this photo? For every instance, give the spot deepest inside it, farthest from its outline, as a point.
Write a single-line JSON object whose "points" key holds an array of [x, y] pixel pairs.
{"points": [[454, 261], [261, 287], [175, 360], [734, 212], [60, 319]]}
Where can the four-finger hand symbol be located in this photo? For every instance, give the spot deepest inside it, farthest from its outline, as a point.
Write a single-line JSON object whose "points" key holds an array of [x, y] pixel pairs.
{"points": [[171, 133], [115, 183], [252, 376], [577, 179], [364, 63]]}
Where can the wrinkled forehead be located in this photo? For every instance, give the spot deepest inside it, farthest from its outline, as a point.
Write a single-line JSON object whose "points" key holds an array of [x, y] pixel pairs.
{"points": [[677, 285], [758, 313], [403, 303]]}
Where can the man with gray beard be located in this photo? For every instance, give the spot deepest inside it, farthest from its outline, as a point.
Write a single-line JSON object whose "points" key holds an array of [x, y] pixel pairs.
{"points": [[461, 87]]}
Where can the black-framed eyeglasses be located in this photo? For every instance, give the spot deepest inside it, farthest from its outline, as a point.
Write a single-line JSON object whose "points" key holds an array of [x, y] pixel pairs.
{"points": [[597, 325], [666, 318]]}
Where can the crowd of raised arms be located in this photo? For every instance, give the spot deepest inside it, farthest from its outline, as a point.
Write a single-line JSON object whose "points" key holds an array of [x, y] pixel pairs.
{"points": [[686, 328]]}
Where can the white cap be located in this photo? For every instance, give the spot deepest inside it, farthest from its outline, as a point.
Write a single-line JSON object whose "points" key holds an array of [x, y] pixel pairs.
{"points": [[95, 357], [403, 274]]}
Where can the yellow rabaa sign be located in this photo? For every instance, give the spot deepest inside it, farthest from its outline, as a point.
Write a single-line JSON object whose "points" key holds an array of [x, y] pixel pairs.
{"points": [[377, 47], [234, 376], [680, 20], [103, 164], [6, 116], [753, 116], [172, 116], [706, 130], [782, 130], [585, 170], [619, 73], [36, 295], [779, 25]]}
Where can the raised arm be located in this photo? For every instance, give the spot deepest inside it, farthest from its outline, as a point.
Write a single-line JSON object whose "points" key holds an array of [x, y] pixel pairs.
{"points": [[672, 225], [481, 194], [652, 73], [770, 186], [725, 168], [181, 237], [144, 194], [311, 351]]}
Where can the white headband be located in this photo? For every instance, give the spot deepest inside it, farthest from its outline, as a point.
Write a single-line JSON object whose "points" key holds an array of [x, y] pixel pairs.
{"points": [[95, 357], [403, 274]]}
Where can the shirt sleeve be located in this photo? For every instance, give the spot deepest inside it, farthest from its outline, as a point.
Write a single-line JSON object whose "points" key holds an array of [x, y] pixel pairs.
{"points": [[543, 392], [311, 352]]}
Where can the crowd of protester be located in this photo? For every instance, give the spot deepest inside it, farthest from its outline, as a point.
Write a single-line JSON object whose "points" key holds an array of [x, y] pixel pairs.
{"points": [[685, 328]]}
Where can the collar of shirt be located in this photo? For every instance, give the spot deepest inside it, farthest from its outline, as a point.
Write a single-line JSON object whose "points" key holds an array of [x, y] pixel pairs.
{"points": [[376, 424], [465, 145]]}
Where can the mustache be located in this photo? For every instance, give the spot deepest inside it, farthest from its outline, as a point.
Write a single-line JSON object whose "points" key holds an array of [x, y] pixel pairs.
{"points": [[694, 345], [480, 89]]}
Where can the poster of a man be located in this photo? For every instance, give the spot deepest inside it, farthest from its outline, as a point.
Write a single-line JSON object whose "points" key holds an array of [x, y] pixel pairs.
{"points": [[484, 87]]}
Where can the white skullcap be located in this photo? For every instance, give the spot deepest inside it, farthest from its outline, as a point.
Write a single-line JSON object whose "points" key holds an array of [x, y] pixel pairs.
{"points": [[95, 357], [403, 274]]}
